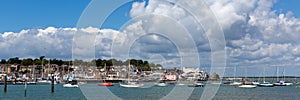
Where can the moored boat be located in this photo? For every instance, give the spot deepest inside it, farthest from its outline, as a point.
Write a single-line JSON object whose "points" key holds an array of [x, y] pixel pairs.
{"points": [[129, 84], [265, 84], [105, 84], [247, 86], [162, 84], [70, 85]]}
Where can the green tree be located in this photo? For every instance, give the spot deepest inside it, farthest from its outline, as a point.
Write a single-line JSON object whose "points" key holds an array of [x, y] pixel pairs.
{"points": [[14, 60], [27, 62], [3, 61]]}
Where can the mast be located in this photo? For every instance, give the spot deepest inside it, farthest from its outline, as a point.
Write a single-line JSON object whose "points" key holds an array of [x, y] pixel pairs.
{"points": [[234, 73], [264, 74], [284, 73], [42, 68], [277, 73]]}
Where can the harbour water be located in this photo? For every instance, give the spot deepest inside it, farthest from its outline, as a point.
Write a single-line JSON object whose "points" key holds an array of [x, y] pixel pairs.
{"points": [[225, 92]]}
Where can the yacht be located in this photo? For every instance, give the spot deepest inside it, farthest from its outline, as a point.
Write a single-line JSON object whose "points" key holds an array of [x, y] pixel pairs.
{"points": [[265, 84], [247, 86]]}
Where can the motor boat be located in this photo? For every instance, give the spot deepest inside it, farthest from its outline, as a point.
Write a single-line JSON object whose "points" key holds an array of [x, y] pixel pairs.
{"points": [[70, 85], [105, 84], [162, 84], [129, 84]]}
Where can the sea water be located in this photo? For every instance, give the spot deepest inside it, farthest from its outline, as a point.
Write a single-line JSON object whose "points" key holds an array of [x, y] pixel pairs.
{"points": [[225, 92]]}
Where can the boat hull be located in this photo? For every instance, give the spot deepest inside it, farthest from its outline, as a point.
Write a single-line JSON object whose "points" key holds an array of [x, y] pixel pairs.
{"points": [[105, 84], [70, 86], [131, 85], [247, 86]]}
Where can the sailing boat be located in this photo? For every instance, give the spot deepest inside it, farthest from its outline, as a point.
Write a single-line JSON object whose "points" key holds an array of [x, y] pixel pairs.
{"points": [[282, 83], [130, 84], [265, 84], [244, 82], [235, 83], [105, 83]]}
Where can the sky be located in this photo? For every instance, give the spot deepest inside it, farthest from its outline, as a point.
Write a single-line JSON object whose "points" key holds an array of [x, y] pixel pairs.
{"points": [[258, 33]]}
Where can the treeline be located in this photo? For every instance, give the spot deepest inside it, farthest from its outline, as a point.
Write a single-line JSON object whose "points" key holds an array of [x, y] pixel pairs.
{"points": [[145, 65]]}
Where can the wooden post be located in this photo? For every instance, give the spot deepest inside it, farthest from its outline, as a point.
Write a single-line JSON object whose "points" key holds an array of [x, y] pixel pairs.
{"points": [[52, 84], [25, 88], [5, 84]]}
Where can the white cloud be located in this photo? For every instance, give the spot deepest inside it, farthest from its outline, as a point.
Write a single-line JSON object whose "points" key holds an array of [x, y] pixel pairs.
{"points": [[261, 35]]}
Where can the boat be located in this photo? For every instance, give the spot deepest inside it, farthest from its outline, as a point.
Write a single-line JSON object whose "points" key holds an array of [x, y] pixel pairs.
{"points": [[105, 84], [71, 84], [247, 86], [282, 83], [180, 84], [197, 84], [131, 84], [265, 84], [161, 84], [255, 83], [235, 83]]}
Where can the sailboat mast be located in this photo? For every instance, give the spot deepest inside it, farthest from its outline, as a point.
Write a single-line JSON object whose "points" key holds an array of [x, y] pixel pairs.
{"points": [[234, 72], [283, 73], [264, 74], [277, 73]]}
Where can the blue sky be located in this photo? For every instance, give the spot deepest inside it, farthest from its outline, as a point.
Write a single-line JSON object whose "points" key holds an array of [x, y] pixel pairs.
{"points": [[31, 14], [288, 5], [28, 14], [254, 35]]}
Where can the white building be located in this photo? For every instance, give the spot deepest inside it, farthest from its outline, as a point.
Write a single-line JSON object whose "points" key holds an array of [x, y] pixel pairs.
{"points": [[190, 73]]}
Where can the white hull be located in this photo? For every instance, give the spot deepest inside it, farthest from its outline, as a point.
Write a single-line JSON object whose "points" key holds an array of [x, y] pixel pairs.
{"points": [[70, 86], [288, 84], [131, 85], [235, 84], [247, 86], [161, 84]]}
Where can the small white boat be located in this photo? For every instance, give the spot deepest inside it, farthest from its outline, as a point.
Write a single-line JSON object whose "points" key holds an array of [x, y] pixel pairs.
{"points": [[162, 84], [131, 84], [282, 83], [69, 85], [265, 84], [180, 84], [235, 84], [288, 83], [255, 83], [247, 86]]}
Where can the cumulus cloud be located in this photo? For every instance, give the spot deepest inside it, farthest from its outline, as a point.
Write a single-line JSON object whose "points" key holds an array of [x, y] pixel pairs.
{"points": [[255, 34]]}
